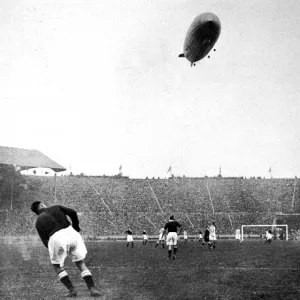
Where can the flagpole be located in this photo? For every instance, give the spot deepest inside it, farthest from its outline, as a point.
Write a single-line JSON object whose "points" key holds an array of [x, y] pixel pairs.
{"points": [[169, 171], [293, 199], [54, 187], [12, 193]]}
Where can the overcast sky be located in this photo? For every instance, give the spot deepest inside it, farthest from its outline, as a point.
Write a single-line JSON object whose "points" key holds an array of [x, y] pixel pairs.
{"points": [[96, 84]]}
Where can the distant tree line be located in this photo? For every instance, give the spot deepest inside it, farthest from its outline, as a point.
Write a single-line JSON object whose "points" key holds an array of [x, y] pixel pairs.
{"points": [[11, 184]]}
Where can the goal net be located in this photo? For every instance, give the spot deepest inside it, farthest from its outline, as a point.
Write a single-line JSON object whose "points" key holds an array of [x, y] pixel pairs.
{"points": [[259, 231]]}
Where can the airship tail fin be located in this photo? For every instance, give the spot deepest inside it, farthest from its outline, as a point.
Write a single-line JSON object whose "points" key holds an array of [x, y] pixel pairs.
{"points": [[181, 55]]}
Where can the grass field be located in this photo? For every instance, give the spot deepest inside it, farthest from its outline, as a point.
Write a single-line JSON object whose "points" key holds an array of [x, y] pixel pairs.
{"points": [[232, 271]]}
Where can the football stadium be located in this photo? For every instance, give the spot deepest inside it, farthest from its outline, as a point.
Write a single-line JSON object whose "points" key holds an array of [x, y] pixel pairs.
{"points": [[197, 104], [108, 206]]}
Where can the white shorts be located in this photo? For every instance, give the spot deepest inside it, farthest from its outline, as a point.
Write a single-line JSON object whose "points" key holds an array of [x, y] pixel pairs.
{"points": [[145, 237], [66, 242], [237, 236], [129, 238], [212, 237], [172, 239]]}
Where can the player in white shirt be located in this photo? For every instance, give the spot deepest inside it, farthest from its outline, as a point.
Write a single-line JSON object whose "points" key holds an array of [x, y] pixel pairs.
{"points": [[268, 236], [145, 237], [200, 238], [185, 236], [161, 238], [129, 237], [212, 236], [238, 236]]}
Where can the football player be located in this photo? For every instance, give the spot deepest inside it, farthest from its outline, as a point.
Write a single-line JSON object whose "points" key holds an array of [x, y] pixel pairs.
{"points": [[212, 236], [161, 238], [238, 236], [185, 236], [129, 237], [268, 237], [172, 227], [145, 237], [63, 239]]}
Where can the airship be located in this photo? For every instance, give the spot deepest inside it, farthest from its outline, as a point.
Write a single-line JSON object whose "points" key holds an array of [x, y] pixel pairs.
{"points": [[201, 37]]}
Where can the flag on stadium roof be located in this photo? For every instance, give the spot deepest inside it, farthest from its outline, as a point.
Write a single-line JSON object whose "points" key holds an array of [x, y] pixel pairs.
{"points": [[170, 169], [24, 159]]}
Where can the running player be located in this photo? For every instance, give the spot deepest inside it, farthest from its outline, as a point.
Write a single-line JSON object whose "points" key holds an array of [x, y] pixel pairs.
{"points": [[161, 238], [145, 237], [238, 236], [129, 237], [172, 226], [63, 239], [212, 236]]}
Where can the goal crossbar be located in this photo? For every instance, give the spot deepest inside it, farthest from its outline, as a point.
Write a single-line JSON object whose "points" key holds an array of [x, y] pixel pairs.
{"points": [[267, 225]]}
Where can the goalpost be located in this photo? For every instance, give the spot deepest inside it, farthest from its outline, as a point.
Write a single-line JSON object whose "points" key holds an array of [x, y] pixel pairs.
{"points": [[271, 226]]}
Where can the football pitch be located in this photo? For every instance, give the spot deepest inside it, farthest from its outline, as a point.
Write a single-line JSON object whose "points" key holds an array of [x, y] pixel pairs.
{"points": [[250, 271]]}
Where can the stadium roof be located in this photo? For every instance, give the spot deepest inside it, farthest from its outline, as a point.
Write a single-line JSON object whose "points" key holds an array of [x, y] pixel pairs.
{"points": [[27, 159]]}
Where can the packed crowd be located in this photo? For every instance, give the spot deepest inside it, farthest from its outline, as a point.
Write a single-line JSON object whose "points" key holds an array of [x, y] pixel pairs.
{"points": [[107, 206]]}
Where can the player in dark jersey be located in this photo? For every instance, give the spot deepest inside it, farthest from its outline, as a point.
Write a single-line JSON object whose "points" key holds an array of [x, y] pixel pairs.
{"points": [[63, 239], [172, 226], [206, 236]]}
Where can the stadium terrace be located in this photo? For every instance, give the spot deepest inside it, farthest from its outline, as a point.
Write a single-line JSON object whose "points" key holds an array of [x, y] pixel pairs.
{"points": [[107, 206]]}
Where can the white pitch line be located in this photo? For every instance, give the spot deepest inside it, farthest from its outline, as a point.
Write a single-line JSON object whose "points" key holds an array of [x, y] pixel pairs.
{"points": [[220, 268], [205, 268]]}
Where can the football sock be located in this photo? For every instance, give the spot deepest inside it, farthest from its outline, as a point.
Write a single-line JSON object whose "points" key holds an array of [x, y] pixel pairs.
{"points": [[132, 245], [127, 244], [65, 280], [87, 277], [169, 253], [175, 250]]}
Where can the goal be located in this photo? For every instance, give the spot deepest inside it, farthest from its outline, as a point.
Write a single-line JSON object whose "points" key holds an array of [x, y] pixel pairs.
{"points": [[256, 230]]}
